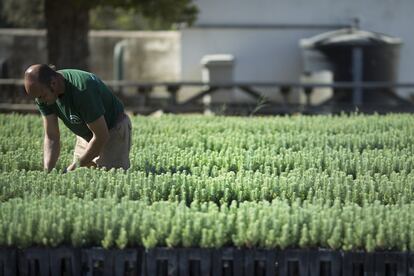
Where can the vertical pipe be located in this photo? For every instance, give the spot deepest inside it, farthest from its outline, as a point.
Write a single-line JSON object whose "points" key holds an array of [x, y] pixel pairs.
{"points": [[357, 74], [119, 62]]}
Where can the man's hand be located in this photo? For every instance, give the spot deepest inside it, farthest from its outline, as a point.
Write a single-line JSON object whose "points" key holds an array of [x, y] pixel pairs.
{"points": [[74, 165], [71, 167]]}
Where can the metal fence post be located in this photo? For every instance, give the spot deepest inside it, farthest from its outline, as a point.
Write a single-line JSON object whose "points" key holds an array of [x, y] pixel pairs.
{"points": [[357, 75]]}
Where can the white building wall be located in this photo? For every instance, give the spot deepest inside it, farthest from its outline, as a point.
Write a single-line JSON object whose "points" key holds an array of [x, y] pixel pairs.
{"points": [[274, 54]]}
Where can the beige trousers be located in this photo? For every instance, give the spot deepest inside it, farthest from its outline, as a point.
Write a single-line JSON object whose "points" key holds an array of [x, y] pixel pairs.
{"points": [[115, 153]]}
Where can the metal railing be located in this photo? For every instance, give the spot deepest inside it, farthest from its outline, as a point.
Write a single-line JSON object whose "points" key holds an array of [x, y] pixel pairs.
{"points": [[141, 99]]}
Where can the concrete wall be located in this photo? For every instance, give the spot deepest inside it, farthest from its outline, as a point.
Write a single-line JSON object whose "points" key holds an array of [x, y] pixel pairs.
{"points": [[148, 56], [273, 54], [21, 48]]}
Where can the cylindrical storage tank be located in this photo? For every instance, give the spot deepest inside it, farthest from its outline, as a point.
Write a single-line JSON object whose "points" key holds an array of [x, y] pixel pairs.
{"points": [[378, 54]]}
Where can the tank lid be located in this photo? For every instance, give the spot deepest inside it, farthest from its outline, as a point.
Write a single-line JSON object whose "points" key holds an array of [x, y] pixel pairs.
{"points": [[348, 36]]}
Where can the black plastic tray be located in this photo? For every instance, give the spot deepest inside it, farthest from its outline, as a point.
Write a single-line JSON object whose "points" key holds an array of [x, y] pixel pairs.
{"points": [[229, 261]]}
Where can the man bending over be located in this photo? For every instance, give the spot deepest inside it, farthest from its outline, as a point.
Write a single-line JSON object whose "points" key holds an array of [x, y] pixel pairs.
{"points": [[88, 108]]}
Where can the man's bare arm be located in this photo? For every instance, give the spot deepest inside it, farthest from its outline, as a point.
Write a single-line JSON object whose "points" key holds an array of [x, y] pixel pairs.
{"points": [[51, 143], [100, 137]]}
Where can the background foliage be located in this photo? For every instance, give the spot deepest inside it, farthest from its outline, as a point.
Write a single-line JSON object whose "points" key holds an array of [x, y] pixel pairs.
{"points": [[30, 14]]}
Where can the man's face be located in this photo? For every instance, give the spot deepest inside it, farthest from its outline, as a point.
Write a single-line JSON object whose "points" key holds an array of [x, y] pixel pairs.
{"points": [[43, 93]]}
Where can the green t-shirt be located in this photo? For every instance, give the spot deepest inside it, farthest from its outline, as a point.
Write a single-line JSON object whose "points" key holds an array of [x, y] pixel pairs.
{"points": [[86, 98]]}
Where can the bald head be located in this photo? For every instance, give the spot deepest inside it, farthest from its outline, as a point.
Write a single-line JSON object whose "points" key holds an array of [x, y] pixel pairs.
{"points": [[41, 73], [39, 78]]}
